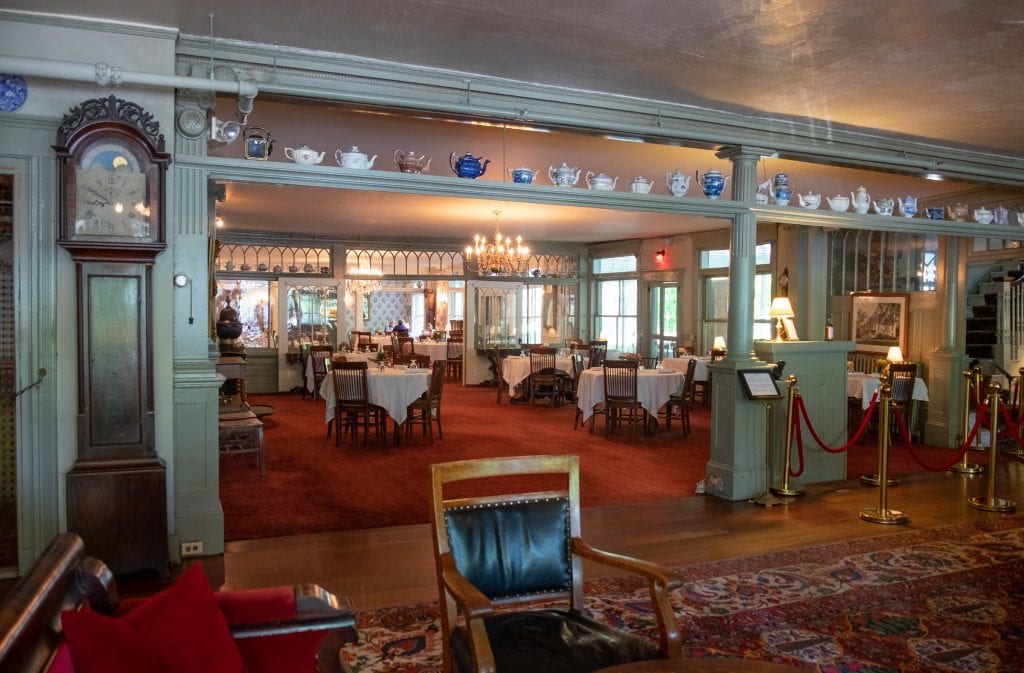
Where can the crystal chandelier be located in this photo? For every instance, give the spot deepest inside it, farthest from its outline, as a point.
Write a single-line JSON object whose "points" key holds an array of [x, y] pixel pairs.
{"points": [[500, 257], [363, 281]]}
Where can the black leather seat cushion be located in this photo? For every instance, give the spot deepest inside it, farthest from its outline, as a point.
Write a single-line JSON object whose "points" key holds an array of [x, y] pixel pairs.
{"points": [[553, 641]]}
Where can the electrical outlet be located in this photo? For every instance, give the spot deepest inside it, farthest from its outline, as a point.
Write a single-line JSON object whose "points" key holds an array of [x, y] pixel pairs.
{"points": [[191, 548]]}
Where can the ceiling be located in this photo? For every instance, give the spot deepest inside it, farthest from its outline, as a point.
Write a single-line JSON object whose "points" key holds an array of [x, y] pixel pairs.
{"points": [[944, 71]]}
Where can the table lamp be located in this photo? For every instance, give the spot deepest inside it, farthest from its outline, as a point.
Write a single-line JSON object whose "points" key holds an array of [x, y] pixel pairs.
{"points": [[895, 354], [780, 308], [719, 344]]}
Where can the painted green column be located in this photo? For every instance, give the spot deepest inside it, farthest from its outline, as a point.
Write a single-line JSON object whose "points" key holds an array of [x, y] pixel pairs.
{"points": [[946, 365], [738, 432]]}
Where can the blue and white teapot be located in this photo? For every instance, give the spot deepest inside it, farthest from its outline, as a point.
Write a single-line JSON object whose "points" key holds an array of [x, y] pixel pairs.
{"points": [[564, 175], [712, 183], [907, 205], [523, 176], [468, 166]]}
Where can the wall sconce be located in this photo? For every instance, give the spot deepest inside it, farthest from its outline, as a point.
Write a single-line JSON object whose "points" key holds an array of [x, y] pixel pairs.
{"points": [[218, 221], [659, 256]]}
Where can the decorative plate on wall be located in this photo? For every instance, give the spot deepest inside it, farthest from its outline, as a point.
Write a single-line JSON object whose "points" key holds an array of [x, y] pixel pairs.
{"points": [[13, 92]]}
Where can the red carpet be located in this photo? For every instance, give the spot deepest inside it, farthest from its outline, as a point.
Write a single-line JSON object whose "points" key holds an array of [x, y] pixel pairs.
{"points": [[942, 599], [312, 486]]}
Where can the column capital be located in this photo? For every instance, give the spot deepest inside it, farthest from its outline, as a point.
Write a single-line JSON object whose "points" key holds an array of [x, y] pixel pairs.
{"points": [[736, 153]]}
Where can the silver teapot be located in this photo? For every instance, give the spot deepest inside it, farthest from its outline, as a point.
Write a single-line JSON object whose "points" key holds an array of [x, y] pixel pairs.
{"points": [[563, 176], [640, 185]]}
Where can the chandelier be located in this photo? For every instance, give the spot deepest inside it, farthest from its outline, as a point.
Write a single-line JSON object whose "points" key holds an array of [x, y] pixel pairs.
{"points": [[363, 281], [500, 257]]}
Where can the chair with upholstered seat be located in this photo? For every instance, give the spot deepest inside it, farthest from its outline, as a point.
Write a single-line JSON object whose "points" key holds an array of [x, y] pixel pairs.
{"points": [[426, 409], [352, 407], [512, 549], [620, 396]]}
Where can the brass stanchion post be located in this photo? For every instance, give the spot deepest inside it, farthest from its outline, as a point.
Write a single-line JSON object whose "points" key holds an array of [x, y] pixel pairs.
{"points": [[882, 514], [1017, 450], [787, 488], [871, 479], [965, 467], [992, 503], [978, 401]]}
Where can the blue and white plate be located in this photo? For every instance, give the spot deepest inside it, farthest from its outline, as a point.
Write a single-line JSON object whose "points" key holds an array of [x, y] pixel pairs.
{"points": [[13, 92]]}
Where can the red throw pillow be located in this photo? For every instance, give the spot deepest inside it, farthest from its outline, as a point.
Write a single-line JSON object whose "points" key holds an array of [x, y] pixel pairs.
{"points": [[179, 630]]}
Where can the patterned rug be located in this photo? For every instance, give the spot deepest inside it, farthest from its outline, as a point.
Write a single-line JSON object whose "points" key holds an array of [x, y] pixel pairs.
{"points": [[943, 599]]}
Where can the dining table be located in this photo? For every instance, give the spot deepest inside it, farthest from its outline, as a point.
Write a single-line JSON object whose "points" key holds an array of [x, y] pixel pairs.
{"points": [[653, 388], [516, 368], [862, 386], [700, 372], [393, 389], [437, 350]]}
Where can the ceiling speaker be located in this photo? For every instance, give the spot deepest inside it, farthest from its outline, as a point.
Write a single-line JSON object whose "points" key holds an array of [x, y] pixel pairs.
{"points": [[191, 123]]}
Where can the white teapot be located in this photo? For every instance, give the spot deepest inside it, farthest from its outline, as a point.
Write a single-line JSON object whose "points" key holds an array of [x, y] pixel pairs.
{"points": [[563, 176], [640, 185], [677, 182], [809, 201], [861, 200], [983, 215], [763, 195], [838, 203], [600, 181], [354, 159], [304, 155]]}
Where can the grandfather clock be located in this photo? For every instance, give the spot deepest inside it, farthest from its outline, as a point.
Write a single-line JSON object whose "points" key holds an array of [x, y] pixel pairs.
{"points": [[112, 173]]}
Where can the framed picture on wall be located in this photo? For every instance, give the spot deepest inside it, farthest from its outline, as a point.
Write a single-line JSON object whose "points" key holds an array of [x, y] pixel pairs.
{"points": [[879, 321]]}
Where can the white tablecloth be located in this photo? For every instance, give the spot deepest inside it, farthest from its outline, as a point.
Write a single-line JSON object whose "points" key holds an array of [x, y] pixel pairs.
{"points": [[653, 388], [393, 389], [864, 386], [516, 368], [437, 350], [700, 372]]}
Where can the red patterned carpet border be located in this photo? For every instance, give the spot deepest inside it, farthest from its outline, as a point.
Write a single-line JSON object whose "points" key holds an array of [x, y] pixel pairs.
{"points": [[945, 599]]}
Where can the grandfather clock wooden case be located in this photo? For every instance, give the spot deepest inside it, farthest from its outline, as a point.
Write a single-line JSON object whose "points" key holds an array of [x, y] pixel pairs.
{"points": [[112, 223]]}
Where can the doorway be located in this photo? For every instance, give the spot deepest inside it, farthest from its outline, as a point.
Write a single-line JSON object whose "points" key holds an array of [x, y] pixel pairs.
{"points": [[664, 314], [8, 436]]}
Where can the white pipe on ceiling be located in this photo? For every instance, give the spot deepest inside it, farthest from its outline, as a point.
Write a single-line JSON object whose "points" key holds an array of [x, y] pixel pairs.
{"points": [[104, 74]]}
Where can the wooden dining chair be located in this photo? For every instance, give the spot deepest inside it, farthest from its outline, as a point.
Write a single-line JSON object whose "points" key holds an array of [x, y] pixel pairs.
{"points": [[453, 355], [598, 352], [406, 345], [649, 361], [352, 406], [901, 379], [421, 360], [426, 409], [318, 359], [578, 365], [620, 396], [544, 379], [679, 403]]}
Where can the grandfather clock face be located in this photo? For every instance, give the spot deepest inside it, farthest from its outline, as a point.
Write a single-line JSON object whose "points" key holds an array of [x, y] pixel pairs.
{"points": [[112, 192]]}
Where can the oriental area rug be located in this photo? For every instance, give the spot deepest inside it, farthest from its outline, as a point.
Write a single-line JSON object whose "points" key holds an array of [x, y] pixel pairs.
{"points": [[942, 599]]}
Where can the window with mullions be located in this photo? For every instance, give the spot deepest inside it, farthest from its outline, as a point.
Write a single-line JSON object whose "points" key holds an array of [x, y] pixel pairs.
{"points": [[615, 302], [714, 267]]}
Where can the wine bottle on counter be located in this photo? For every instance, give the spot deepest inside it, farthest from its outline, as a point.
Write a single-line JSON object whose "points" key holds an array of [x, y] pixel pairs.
{"points": [[830, 329]]}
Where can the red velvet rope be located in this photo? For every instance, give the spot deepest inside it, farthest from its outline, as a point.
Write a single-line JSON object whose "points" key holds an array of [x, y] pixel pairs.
{"points": [[799, 443], [913, 452], [864, 423], [1011, 427]]}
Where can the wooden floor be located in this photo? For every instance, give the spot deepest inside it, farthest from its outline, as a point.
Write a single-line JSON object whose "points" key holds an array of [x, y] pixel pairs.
{"points": [[394, 566]]}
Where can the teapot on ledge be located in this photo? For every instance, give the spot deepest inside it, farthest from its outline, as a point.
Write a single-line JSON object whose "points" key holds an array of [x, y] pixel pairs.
{"points": [[521, 175], [809, 201], [640, 185], [838, 203], [408, 162], [861, 200], [354, 159], [563, 176], [677, 182], [712, 183], [468, 166], [600, 181], [304, 155]]}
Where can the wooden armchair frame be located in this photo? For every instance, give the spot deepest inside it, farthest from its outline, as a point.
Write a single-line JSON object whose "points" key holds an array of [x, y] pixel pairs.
{"points": [[459, 597]]}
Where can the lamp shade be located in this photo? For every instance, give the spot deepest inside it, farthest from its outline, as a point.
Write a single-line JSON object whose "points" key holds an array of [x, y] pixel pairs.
{"points": [[719, 344], [895, 354], [781, 308]]}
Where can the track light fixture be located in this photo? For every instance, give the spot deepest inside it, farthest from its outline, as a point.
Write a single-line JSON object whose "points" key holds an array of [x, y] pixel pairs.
{"points": [[224, 132]]}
